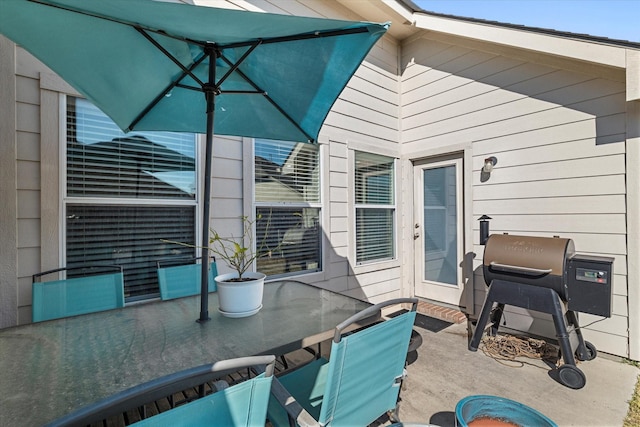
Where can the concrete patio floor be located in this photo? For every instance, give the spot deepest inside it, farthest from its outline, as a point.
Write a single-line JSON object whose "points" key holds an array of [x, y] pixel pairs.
{"points": [[445, 371]]}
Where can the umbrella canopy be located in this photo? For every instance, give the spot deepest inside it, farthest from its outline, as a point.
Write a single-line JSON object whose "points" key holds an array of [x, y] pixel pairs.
{"points": [[161, 66]]}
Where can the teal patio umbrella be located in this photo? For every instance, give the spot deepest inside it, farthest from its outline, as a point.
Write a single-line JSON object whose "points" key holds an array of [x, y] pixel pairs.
{"points": [[175, 67]]}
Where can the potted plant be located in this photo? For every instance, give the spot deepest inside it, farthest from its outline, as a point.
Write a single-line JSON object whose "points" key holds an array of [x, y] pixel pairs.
{"points": [[239, 293]]}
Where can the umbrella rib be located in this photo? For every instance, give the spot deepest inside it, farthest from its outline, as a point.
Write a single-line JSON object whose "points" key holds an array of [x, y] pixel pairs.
{"points": [[157, 99], [234, 66], [168, 54], [266, 95]]}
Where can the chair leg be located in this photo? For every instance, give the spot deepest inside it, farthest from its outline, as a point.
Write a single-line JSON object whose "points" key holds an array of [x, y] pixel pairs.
{"points": [[284, 362], [394, 415]]}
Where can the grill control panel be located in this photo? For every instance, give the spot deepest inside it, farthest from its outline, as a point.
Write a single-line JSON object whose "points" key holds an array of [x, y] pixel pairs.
{"points": [[589, 284], [592, 275]]}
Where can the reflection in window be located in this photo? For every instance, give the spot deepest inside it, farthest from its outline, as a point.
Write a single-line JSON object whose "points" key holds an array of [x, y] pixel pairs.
{"points": [[104, 162], [108, 174], [287, 197], [375, 207]]}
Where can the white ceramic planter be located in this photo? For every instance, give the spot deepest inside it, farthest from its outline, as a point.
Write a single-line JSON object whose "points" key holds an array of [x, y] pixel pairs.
{"points": [[240, 299]]}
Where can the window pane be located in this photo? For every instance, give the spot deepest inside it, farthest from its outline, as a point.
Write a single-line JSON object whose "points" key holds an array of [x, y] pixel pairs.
{"points": [[286, 172], [374, 234], [374, 179], [130, 236], [374, 184], [104, 162], [288, 240]]}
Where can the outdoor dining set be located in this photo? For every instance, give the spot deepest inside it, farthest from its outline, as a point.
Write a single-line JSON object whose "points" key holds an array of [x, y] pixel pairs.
{"points": [[78, 369]]}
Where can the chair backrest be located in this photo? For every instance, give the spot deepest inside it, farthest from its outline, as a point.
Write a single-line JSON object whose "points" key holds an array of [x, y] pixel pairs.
{"points": [[177, 281], [101, 288], [243, 404], [366, 368]]}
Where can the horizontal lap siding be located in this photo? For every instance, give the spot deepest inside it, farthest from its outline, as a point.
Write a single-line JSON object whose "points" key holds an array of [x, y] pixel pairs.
{"points": [[559, 137]]}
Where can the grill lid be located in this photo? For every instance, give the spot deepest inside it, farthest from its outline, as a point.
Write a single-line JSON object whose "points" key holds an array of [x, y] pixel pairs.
{"points": [[527, 254]]}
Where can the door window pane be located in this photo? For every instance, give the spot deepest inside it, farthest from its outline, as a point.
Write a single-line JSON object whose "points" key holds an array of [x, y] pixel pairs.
{"points": [[440, 225]]}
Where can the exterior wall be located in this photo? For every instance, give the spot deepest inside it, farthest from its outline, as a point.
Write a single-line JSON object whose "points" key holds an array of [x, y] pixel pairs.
{"points": [[559, 137]]}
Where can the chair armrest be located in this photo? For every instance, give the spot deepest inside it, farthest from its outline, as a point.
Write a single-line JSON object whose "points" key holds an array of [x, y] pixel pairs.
{"points": [[293, 408]]}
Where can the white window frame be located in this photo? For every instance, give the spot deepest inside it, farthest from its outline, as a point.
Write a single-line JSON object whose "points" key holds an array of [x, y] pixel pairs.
{"points": [[251, 209], [375, 264]]}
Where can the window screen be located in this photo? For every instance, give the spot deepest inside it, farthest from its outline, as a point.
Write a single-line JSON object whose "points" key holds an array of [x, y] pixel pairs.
{"points": [[375, 207], [287, 196]]}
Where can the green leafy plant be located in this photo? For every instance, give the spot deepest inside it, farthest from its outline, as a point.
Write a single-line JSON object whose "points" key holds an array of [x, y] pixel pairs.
{"points": [[237, 251], [234, 252]]}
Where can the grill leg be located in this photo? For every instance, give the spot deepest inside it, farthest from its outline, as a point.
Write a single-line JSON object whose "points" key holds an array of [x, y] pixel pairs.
{"points": [[482, 321], [564, 339], [548, 301], [531, 297], [496, 317]]}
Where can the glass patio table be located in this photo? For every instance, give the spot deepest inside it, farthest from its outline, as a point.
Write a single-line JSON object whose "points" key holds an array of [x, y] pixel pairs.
{"points": [[51, 368]]}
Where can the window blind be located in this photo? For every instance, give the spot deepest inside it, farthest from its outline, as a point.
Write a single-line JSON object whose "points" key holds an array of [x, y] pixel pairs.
{"points": [[286, 172], [374, 234], [287, 194], [288, 240], [375, 207], [104, 162], [104, 165], [130, 236]]}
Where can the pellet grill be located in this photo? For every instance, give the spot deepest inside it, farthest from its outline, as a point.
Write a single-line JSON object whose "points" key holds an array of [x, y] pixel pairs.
{"points": [[545, 274]]}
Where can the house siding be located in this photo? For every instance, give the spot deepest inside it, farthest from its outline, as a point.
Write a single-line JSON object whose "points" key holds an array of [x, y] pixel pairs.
{"points": [[8, 187], [559, 137]]}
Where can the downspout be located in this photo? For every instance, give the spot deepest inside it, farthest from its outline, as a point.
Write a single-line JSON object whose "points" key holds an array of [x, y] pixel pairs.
{"points": [[633, 200], [633, 203]]}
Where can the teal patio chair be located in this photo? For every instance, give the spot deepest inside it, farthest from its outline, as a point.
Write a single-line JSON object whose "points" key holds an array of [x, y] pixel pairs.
{"points": [[358, 384], [241, 405], [90, 289], [182, 277]]}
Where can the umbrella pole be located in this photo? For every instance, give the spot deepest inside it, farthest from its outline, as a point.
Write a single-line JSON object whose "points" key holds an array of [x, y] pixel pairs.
{"points": [[209, 91]]}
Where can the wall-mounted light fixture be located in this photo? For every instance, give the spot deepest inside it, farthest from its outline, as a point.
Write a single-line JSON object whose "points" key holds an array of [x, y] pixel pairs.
{"points": [[489, 163]]}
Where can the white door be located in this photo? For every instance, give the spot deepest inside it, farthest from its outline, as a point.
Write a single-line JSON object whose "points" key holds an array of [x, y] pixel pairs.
{"points": [[438, 230]]}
